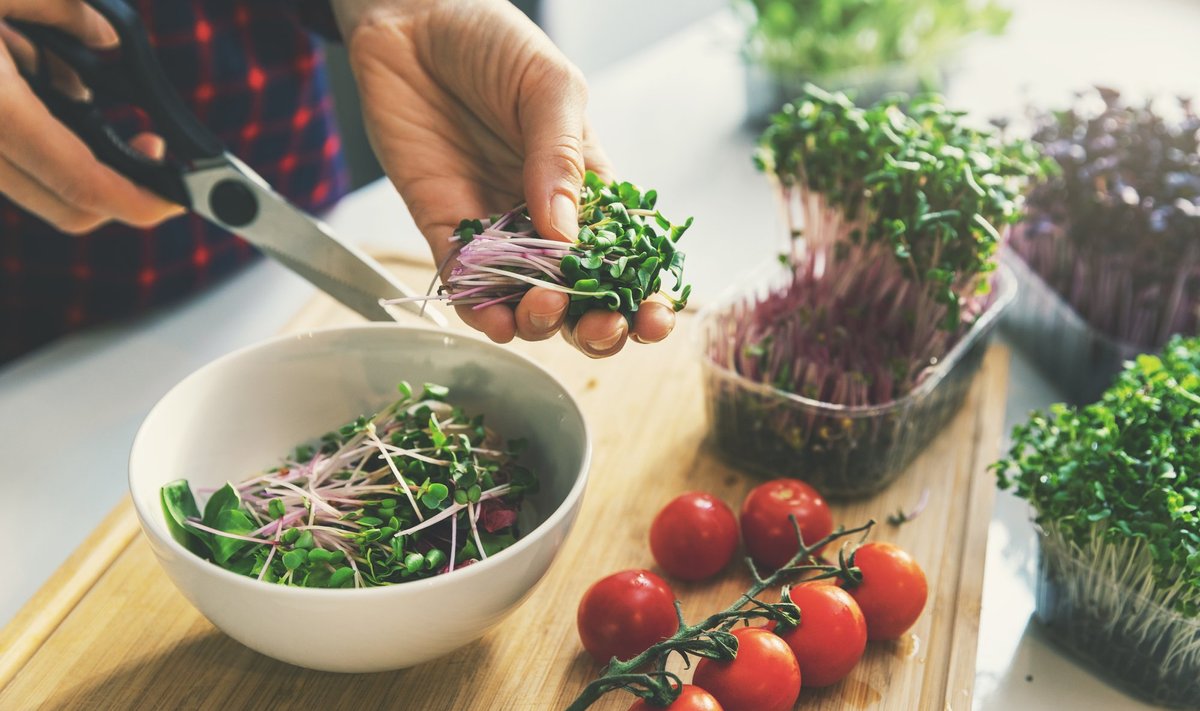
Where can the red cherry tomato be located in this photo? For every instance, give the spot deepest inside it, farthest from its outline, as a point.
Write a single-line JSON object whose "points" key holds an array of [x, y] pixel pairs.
{"points": [[691, 698], [763, 677], [694, 536], [831, 636], [623, 614], [768, 534], [893, 589]]}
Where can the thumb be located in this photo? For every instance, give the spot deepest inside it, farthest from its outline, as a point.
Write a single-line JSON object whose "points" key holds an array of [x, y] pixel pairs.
{"points": [[551, 117]]}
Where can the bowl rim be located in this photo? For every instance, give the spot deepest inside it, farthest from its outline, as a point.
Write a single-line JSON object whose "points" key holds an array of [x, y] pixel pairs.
{"points": [[551, 522], [1006, 292]]}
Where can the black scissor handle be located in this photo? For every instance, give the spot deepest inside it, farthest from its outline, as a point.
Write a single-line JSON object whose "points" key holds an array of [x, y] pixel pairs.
{"points": [[132, 76]]}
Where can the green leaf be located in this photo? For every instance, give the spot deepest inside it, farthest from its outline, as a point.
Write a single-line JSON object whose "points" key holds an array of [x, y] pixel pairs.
{"points": [[230, 521], [179, 505], [224, 499]]}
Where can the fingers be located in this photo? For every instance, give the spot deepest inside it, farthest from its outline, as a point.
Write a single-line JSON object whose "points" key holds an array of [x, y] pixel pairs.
{"points": [[551, 105], [497, 321], [71, 16], [599, 334], [23, 190], [594, 156], [653, 322], [36, 145], [540, 313]]}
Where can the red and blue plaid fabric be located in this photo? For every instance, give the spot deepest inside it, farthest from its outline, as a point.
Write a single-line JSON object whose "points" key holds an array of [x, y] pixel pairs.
{"points": [[252, 73]]}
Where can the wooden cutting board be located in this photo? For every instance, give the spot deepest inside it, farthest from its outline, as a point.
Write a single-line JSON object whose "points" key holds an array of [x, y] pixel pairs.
{"points": [[110, 631]]}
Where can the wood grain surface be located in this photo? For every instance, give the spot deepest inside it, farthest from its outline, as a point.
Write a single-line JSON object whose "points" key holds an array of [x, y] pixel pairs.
{"points": [[109, 631]]}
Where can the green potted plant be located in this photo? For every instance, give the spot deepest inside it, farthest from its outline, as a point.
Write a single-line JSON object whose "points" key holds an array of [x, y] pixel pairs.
{"points": [[1115, 497], [1108, 251], [869, 46], [841, 366]]}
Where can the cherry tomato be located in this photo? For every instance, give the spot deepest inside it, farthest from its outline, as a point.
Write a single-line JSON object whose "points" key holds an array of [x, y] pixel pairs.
{"points": [[691, 698], [694, 536], [893, 589], [763, 677], [831, 636], [768, 534], [623, 614]]}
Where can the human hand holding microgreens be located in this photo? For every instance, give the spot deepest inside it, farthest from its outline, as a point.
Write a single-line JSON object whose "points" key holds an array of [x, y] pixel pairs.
{"points": [[472, 110]]}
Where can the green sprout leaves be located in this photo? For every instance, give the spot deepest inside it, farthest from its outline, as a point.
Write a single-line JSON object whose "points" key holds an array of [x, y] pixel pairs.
{"points": [[921, 181], [405, 494], [1125, 468]]}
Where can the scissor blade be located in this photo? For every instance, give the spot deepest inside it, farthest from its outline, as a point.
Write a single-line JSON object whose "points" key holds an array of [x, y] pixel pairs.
{"points": [[299, 241]]}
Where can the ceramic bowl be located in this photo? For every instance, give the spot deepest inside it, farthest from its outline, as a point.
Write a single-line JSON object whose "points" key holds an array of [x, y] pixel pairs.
{"points": [[241, 413]]}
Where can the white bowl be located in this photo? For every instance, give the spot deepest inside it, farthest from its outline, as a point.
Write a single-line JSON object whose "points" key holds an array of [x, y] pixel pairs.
{"points": [[241, 413]]}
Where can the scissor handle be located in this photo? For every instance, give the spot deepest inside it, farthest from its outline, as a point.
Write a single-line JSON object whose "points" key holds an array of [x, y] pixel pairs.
{"points": [[135, 77]]}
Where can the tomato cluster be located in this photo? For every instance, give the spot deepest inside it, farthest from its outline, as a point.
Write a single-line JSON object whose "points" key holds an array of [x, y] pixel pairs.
{"points": [[693, 538]]}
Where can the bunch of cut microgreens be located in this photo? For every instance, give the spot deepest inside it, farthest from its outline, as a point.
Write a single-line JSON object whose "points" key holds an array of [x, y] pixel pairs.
{"points": [[1114, 490], [711, 637], [623, 247], [414, 491], [1117, 232], [895, 219]]}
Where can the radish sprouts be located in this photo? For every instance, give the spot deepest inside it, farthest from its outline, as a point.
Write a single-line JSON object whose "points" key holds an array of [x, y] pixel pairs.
{"points": [[381, 500], [623, 247]]}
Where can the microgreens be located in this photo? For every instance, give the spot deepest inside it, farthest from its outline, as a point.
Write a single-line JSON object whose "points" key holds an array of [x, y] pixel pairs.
{"points": [[414, 491], [1124, 469], [822, 38], [711, 637], [1116, 232], [623, 247], [901, 216], [1114, 490]]}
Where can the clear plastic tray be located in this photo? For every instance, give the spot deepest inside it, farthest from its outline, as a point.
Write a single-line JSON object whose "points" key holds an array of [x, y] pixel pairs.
{"points": [[845, 452], [1076, 357], [1151, 651]]}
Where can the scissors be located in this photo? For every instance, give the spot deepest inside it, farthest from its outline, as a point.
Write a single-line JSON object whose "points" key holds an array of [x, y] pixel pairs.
{"points": [[200, 174]]}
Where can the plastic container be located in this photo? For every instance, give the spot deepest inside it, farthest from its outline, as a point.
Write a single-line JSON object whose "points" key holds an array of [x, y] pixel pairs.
{"points": [[1139, 645], [845, 452], [1078, 358]]}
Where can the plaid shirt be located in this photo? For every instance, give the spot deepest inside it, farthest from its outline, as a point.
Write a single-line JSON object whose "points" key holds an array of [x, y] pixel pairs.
{"points": [[251, 72]]}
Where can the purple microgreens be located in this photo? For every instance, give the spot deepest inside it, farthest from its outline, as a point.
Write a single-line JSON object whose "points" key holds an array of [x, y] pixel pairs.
{"points": [[1116, 230], [622, 249], [358, 507]]}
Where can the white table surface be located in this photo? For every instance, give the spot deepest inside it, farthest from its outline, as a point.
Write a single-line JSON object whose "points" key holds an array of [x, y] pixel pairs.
{"points": [[670, 117]]}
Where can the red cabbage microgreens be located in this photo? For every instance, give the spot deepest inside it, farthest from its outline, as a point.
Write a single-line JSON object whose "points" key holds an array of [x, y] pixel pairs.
{"points": [[900, 212], [623, 247], [711, 637], [1117, 231], [414, 491]]}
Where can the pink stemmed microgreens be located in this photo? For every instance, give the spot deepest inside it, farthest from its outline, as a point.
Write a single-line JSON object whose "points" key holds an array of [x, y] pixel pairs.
{"points": [[379, 501], [623, 247]]}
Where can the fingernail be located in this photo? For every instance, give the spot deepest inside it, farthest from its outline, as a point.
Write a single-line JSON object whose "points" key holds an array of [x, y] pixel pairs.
{"points": [[106, 36], [546, 321], [155, 147], [564, 215], [603, 345]]}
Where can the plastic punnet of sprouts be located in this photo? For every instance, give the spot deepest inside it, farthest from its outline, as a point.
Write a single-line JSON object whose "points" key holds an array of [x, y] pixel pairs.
{"points": [[1116, 231], [1115, 492], [895, 216]]}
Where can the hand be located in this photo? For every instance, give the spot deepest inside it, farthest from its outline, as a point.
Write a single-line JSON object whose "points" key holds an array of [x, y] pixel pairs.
{"points": [[44, 167], [471, 110]]}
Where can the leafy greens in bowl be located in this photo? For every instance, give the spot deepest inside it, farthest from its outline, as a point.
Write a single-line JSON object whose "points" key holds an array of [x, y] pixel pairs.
{"points": [[239, 413]]}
